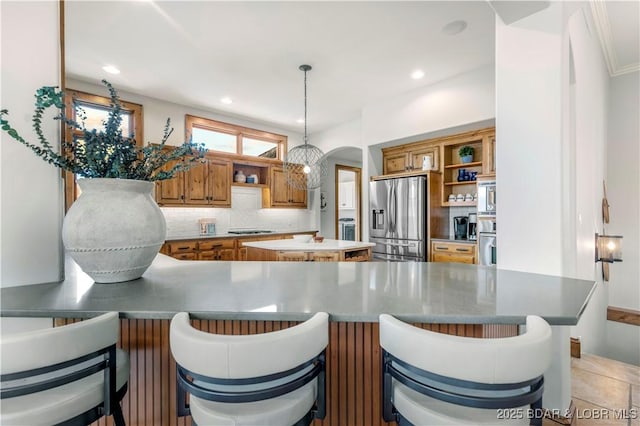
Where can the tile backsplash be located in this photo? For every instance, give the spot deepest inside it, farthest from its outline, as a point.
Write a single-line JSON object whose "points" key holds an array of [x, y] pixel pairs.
{"points": [[246, 212]]}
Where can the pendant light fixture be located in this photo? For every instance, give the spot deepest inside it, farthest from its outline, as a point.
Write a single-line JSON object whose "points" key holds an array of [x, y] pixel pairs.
{"points": [[305, 165]]}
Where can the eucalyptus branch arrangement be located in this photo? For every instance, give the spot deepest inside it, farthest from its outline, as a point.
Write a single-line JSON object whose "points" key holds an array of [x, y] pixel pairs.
{"points": [[106, 153]]}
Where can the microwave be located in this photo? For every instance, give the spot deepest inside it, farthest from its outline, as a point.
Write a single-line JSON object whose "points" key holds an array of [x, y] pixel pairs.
{"points": [[487, 198]]}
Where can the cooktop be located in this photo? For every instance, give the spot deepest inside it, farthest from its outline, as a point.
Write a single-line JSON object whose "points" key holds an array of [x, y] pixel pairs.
{"points": [[249, 231]]}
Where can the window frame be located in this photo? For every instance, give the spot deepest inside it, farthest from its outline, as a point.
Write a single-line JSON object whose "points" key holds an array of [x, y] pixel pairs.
{"points": [[239, 132], [71, 189]]}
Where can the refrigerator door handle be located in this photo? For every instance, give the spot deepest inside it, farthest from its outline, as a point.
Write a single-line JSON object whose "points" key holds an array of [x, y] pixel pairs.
{"points": [[393, 210]]}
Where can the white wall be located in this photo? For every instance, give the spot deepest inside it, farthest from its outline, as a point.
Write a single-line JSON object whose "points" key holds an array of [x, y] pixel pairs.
{"points": [[551, 136], [157, 111], [623, 191], [589, 134], [463, 99], [528, 134], [31, 190]]}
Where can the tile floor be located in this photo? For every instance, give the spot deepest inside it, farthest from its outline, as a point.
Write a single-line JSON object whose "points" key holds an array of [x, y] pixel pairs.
{"points": [[603, 390]]}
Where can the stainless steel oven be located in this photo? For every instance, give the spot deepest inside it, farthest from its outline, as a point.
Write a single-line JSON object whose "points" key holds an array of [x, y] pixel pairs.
{"points": [[487, 198]]}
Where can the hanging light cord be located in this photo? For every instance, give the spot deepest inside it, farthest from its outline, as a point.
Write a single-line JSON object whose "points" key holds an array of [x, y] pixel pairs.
{"points": [[305, 106]]}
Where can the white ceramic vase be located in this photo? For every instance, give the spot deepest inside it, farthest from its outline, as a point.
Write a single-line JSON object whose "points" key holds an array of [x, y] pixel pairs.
{"points": [[114, 229]]}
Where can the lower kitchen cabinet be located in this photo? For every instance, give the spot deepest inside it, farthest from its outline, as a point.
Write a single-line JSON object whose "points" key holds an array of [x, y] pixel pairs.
{"points": [[210, 249], [446, 251], [220, 248], [217, 249]]}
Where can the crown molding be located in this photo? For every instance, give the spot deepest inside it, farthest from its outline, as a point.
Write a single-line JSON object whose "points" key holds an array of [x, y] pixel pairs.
{"points": [[603, 28]]}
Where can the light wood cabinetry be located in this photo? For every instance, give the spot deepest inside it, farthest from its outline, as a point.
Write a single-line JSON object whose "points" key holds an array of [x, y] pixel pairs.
{"points": [[406, 159], [204, 185], [242, 250], [409, 157], [449, 251], [347, 255], [281, 194], [489, 155], [209, 249], [170, 191], [217, 249]]}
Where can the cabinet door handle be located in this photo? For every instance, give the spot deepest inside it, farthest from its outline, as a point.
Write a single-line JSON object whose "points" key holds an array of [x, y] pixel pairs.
{"points": [[184, 248], [463, 249], [441, 248], [182, 197]]}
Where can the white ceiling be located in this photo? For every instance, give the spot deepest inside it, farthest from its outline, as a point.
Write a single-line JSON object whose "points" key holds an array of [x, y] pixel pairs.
{"points": [[195, 53]]}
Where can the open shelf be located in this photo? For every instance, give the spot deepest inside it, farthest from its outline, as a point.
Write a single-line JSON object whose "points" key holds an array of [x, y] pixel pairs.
{"points": [[464, 182], [254, 185], [463, 165], [460, 204]]}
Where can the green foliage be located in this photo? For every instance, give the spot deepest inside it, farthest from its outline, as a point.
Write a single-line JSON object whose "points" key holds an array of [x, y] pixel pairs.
{"points": [[104, 153], [465, 150]]}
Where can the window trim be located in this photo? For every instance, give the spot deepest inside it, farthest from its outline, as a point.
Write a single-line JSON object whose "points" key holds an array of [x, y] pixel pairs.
{"points": [[71, 189], [192, 121]]}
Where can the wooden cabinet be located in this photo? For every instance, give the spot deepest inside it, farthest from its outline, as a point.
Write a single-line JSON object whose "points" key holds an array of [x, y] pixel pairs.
{"points": [[347, 195], [409, 157], [170, 191], [446, 251], [209, 249], [217, 249], [444, 154], [489, 155], [281, 194], [242, 250], [350, 255], [207, 184]]}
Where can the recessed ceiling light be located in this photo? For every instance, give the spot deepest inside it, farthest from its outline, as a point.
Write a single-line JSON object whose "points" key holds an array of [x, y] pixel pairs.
{"points": [[226, 100], [417, 74], [111, 69], [300, 120], [455, 27]]}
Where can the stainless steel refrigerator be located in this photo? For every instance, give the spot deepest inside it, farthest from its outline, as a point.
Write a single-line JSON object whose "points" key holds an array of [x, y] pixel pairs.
{"points": [[398, 226]]}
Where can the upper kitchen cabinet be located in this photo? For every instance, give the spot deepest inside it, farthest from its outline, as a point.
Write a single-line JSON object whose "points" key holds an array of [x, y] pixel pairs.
{"points": [[410, 157], [204, 185], [280, 194], [170, 191], [489, 155]]}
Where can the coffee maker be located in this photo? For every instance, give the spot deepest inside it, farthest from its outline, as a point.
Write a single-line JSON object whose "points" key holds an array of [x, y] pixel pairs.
{"points": [[472, 227], [460, 228]]}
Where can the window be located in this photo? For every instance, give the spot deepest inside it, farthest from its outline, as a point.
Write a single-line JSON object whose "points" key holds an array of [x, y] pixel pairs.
{"points": [[232, 139], [96, 110]]}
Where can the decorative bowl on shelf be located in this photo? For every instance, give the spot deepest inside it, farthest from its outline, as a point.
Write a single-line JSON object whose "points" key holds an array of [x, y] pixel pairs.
{"points": [[302, 238]]}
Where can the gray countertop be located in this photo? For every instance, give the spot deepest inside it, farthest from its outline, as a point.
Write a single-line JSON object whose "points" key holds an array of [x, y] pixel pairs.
{"points": [[288, 291], [197, 236], [451, 240], [293, 245]]}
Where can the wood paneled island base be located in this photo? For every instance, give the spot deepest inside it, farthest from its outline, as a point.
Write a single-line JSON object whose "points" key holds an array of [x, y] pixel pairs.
{"points": [[353, 367]]}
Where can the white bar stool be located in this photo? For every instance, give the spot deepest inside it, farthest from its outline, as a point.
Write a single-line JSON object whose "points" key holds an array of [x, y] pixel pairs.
{"points": [[69, 375], [438, 379], [275, 378]]}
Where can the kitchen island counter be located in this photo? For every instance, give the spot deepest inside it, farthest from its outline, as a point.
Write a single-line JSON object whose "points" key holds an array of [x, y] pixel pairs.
{"points": [[286, 291], [229, 297]]}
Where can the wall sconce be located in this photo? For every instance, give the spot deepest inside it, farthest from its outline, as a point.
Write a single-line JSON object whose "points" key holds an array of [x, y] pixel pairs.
{"points": [[608, 250]]}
